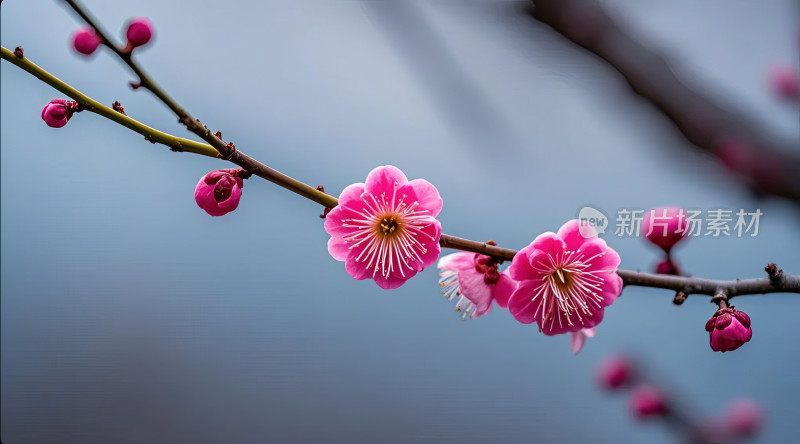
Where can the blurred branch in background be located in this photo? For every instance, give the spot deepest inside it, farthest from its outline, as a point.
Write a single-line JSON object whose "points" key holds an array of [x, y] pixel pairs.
{"points": [[769, 165], [461, 100]]}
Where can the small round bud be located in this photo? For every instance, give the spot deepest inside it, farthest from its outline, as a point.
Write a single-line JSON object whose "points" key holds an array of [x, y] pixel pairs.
{"points": [[218, 192], [140, 31], [85, 40], [56, 113], [728, 329], [668, 266], [785, 81], [744, 417], [664, 227], [647, 401], [615, 372]]}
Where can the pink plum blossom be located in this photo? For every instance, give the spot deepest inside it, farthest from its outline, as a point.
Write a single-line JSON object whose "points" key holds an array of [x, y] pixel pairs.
{"points": [[646, 401], [218, 192], [579, 338], [57, 113], [475, 280], [386, 229], [140, 31], [664, 227], [85, 40], [744, 417], [785, 81], [615, 372], [729, 329], [565, 280]]}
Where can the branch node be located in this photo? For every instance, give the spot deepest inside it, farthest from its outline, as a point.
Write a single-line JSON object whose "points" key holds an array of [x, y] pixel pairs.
{"points": [[118, 108], [18, 52], [135, 85], [680, 298], [720, 298], [775, 274]]}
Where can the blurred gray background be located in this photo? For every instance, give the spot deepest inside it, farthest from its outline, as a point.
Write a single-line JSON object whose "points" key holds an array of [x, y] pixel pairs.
{"points": [[131, 316]]}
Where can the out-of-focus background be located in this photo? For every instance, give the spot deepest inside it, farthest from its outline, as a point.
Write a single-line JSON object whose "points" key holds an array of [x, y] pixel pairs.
{"points": [[129, 315]]}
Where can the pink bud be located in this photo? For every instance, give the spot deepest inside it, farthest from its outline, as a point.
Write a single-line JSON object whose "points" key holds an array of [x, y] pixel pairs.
{"points": [[784, 81], [56, 113], [140, 31], [615, 372], [647, 401], [668, 266], [729, 329], [218, 192], [85, 40], [744, 417], [664, 227]]}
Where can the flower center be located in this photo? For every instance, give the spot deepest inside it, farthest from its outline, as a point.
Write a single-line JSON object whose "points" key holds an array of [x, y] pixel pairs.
{"points": [[389, 225], [568, 290]]}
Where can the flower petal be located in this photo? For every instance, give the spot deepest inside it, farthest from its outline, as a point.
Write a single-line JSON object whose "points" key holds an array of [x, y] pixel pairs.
{"points": [[427, 196], [339, 248], [475, 289], [457, 261], [384, 178], [521, 305], [503, 289]]}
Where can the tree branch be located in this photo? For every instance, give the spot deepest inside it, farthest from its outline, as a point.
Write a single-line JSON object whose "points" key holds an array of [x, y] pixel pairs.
{"points": [[702, 121], [775, 282]]}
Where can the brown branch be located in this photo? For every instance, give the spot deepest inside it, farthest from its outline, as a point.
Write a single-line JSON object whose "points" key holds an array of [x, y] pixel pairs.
{"points": [[688, 285], [699, 117]]}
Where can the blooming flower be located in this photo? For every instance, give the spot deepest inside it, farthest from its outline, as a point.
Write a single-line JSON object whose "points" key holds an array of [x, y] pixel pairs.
{"points": [[729, 329], [56, 113], [565, 280], [218, 192], [386, 229], [647, 401], [85, 40], [615, 371], [744, 417], [474, 278], [140, 31], [579, 338], [664, 227]]}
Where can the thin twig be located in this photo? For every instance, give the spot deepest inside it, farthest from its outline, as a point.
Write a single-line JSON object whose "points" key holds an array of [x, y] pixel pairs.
{"points": [[699, 117], [688, 285]]}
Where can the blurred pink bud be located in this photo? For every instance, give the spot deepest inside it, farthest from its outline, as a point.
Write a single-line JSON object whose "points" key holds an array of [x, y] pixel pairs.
{"points": [[56, 113], [615, 372], [140, 31], [664, 227], [85, 40], [218, 192], [647, 401], [744, 417], [668, 266], [784, 81], [729, 329], [735, 153]]}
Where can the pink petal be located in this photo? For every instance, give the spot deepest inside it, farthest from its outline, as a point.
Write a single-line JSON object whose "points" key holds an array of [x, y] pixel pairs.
{"points": [[338, 248], [570, 233], [384, 179], [612, 288], [334, 220], [602, 257], [357, 269], [457, 261], [434, 230], [521, 305], [393, 281], [475, 289], [231, 202], [520, 268], [351, 193], [427, 196], [503, 289], [576, 341], [550, 243]]}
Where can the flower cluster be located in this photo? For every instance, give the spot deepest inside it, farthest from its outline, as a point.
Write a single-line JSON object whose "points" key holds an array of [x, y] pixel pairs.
{"points": [[139, 32]]}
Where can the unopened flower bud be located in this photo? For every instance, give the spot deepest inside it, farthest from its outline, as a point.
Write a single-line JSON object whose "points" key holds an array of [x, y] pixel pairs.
{"points": [[85, 40], [728, 329], [140, 31]]}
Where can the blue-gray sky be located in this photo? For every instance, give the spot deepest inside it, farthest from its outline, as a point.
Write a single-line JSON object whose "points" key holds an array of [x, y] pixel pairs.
{"points": [[129, 315]]}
